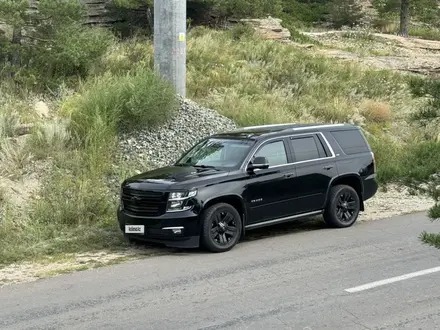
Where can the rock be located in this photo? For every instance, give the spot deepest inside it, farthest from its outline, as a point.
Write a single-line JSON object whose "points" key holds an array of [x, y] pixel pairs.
{"points": [[23, 129], [42, 109], [269, 28], [163, 145]]}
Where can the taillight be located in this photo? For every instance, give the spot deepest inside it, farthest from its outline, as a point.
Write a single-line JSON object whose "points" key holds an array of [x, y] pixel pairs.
{"points": [[374, 162]]}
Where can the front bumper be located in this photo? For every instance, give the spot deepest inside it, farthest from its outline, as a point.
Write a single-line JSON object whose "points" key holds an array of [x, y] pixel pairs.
{"points": [[177, 229]]}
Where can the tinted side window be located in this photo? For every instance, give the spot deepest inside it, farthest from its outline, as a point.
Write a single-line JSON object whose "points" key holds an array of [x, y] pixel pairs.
{"points": [[351, 142], [274, 152], [305, 148]]}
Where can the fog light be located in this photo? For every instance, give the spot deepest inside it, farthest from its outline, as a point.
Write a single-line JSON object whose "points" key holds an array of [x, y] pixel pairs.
{"points": [[175, 230]]}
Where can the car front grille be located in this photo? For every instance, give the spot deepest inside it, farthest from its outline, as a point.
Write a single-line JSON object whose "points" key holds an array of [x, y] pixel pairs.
{"points": [[144, 203]]}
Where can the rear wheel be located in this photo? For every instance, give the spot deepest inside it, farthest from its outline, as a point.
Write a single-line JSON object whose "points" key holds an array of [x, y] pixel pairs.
{"points": [[343, 207], [222, 227]]}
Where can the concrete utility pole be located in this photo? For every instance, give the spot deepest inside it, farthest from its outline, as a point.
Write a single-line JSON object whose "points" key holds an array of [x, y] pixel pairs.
{"points": [[170, 42]]}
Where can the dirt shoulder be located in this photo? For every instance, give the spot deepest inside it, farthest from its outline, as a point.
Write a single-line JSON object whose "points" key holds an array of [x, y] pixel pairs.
{"points": [[395, 201]]}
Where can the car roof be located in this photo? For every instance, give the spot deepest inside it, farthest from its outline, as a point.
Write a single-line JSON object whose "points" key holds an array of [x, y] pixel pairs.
{"points": [[262, 131]]}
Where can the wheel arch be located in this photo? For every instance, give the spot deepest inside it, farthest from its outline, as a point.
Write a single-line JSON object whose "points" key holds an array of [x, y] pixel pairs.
{"points": [[234, 200], [353, 180]]}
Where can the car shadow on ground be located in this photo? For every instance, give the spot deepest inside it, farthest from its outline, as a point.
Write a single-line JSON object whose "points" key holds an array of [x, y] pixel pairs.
{"points": [[286, 228]]}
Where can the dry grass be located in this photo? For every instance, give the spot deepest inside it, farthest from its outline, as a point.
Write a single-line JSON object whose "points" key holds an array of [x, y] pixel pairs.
{"points": [[14, 156], [376, 112]]}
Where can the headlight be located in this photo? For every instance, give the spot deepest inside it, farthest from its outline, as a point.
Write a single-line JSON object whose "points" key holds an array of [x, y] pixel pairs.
{"points": [[177, 200]]}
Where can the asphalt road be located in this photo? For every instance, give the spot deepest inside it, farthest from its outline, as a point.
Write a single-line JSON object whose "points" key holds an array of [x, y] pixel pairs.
{"points": [[295, 280]]}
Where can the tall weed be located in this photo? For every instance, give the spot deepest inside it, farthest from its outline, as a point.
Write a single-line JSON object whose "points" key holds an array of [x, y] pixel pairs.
{"points": [[111, 103]]}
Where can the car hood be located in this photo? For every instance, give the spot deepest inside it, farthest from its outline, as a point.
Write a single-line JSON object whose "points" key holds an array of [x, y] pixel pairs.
{"points": [[173, 176]]}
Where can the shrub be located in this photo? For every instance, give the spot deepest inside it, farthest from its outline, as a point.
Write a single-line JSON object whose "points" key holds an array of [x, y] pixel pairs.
{"points": [[426, 88], [14, 157], [52, 43], [376, 112], [112, 103], [130, 55], [429, 33], [299, 12], [74, 50], [345, 13], [242, 31], [49, 138], [73, 213], [421, 160], [70, 200], [9, 121], [248, 8]]}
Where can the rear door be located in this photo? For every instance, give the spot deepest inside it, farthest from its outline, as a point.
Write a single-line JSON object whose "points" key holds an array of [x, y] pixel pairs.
{"points": [[268, 193], [315, 166]]}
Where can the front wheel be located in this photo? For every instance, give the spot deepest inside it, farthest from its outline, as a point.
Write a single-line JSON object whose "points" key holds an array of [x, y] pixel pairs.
{"points": [[343, 207], [222, 227]]}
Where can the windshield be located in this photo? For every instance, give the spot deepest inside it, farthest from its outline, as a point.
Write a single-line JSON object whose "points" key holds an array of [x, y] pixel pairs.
{"points": [[217, 153]]}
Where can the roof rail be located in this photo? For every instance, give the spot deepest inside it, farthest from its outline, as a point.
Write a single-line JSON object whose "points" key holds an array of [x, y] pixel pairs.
{"points": [[317, 126], [264, 126]]}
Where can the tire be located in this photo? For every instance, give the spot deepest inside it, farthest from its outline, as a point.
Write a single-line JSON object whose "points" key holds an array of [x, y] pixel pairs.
{"points": [[221, 227], [343, 207]]}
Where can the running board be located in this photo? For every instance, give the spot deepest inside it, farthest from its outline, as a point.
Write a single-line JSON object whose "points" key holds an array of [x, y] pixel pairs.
{"points": [[280, 220]]}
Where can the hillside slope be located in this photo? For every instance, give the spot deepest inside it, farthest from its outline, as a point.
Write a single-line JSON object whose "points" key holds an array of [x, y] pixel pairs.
{"points": [[242, 77]]}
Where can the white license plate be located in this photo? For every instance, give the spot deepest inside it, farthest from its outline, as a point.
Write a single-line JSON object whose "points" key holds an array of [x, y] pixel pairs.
{"points": [[134, 229]]}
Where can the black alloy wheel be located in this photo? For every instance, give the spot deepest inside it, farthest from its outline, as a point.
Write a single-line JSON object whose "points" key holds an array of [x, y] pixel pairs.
{"points": [[221, 227], [346, 206], [343, 206]]}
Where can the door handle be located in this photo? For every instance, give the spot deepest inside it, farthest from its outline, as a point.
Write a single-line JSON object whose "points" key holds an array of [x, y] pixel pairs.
{"points": [[328, 167], [288, 175]]}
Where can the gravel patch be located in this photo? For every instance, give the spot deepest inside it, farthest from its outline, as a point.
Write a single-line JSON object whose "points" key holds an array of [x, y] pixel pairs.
{"points": [[163, 145], [395, 201]]}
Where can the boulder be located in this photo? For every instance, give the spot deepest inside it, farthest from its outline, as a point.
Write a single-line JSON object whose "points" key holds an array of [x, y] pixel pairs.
{"points": [[42, 109], [270, 28]]}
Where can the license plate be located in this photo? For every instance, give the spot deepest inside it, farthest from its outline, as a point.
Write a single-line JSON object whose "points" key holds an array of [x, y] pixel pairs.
{"points": [[134, 229]]}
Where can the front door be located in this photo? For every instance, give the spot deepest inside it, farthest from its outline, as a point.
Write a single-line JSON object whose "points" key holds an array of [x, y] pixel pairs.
{"points": [[268, 193]]}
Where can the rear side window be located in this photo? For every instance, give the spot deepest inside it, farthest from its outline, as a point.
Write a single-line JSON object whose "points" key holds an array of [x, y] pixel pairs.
{"points": [[305, 148], [351, 142]]}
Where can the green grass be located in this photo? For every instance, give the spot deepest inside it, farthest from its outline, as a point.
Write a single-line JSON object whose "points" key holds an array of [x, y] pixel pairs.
{"points": [[425, 33], [243, 77], [75, 208]]}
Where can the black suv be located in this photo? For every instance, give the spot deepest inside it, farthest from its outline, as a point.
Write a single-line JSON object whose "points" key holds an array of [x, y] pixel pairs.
{"points": [[249, 178]]}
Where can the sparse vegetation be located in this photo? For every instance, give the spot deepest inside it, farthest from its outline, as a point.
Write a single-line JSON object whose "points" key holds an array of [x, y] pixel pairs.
{"points": [[113, 88]]}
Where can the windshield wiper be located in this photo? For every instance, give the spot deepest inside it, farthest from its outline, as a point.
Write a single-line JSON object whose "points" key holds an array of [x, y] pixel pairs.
{"points": [[204, 166], [183, 164]]}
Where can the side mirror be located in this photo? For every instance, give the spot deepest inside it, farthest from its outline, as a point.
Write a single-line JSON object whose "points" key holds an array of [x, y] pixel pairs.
{"points": [[259, 163]]}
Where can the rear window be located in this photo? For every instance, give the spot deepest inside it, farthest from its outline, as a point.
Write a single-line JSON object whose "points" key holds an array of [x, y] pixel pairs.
{"points": [[351, 142], [305, 148]]}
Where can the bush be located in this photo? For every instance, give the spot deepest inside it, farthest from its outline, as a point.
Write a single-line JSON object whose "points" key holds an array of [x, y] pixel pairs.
{"points": [[428, 33], [112, 103], [130, 55], [376, 112], [307, 13], [74, 213], [426, 88], [345, 13], [52, 45], [72, 200], [248, 8], [49, 138]]}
